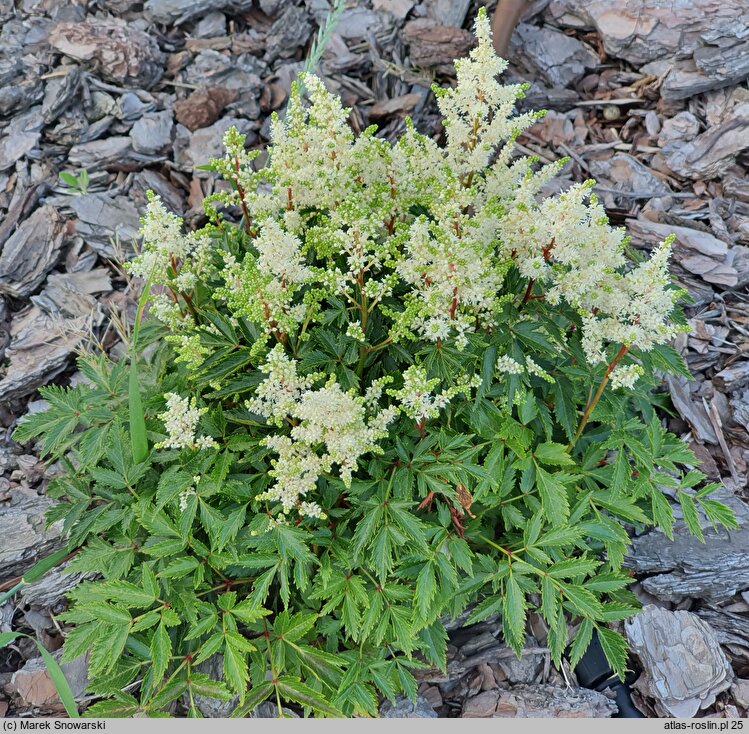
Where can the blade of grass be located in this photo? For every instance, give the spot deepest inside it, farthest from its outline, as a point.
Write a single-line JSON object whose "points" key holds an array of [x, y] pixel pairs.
{"points": [[55, 672], [138, 438], [35, 572]]}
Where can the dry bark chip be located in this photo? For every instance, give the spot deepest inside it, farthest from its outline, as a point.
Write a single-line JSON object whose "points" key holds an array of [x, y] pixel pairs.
{"points": [[432, 44], [711, 154], [685, 665], [31, 252], [203, 107], [180, 11], [24, 532], [118, 52], [560, 59], [394, 106], [33, 685]]}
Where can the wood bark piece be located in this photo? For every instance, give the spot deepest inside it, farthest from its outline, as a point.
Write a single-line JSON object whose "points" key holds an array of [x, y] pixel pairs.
{"points": [[117, 51], [713, 152], [44, 336], [695, 251], [24, 532], [709, 39], [729, 628], [686, 568], [180, 11], [733, 377], [102, 220], [558, 58], [685, 665], [33, 685], [40, 348], [539, 701], [203, 107], [448, 12], [31, 252], [433, 45], [49, 590]]}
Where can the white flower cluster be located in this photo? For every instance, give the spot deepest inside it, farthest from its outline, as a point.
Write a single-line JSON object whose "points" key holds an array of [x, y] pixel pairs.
{"points": [[509, 366], [625, 376], [329, 426], [165, 248], [181, 420], [416, 400], [454, 279], [566, 244]]}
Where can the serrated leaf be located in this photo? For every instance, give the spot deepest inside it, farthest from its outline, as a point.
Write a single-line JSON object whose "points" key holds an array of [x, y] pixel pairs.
{"points": [[210, 647], [553, 454], [150, 584], [180, 567], [607, 582], [109, 613], [691, 518], [108, 647], [573, 567], [248, 611], [663, 515], [294, 627], [146, 621], [581, 643], [620, 506], [513, 614], [128, 594], [112, 710], [549, 599], [80, 639], [718, 513], [560, 537], [235, 668], [204, 685], [171, 483], [170, 692], [255, 696], [553, 497], [426, 588], [615, 648], [294, 690], [485, 608], [160, 649], [582, 601]]}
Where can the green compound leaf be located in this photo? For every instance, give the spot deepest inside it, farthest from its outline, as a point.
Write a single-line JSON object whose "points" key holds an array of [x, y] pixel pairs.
{"points": [[294, 690]]}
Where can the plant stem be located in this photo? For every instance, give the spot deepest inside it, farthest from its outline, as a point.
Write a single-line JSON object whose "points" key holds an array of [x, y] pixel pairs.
{"points": [[527, 295], [592, 403], [381, 345], [266, 634]]}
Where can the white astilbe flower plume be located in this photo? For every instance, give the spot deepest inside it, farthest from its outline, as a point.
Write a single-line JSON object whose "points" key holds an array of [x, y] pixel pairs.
{"points": [[181, 420], [330, 428]]}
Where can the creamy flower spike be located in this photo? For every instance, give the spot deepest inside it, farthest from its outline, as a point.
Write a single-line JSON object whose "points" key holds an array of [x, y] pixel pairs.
{"points": [[329, 427], [181, 420]]}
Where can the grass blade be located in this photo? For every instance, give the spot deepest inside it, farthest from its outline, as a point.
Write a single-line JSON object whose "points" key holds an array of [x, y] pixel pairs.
{"points": [[55, 672]]}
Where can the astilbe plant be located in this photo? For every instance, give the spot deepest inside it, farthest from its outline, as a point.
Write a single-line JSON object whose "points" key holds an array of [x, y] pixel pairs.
{"points": [[401, 386]]}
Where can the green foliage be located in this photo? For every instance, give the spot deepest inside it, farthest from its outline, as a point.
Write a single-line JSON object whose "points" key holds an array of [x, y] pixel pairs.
{"points": [[339, 479], [78, 182]]}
